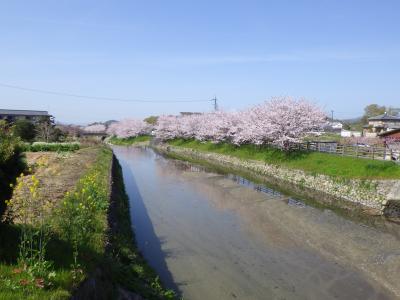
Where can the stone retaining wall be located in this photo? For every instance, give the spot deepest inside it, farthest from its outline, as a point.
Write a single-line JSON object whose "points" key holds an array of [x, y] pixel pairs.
{"points": [[375, 196]]}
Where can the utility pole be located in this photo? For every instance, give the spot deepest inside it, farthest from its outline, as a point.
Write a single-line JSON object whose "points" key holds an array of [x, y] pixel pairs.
{"points": [[332, 115], [215, 103]]}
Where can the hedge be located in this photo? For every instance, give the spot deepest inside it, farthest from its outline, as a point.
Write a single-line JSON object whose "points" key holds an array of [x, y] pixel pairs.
{"points": [[58, 147]]}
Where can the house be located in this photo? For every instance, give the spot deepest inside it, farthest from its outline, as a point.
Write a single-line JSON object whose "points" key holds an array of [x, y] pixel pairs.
{"points": [[12, 115], [380, 124], [350, 133], [391, 134], [333, 127], [392, 142]]}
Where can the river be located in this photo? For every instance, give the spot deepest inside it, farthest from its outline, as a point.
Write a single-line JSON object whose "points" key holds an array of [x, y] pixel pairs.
{"points": [[213, 236]]}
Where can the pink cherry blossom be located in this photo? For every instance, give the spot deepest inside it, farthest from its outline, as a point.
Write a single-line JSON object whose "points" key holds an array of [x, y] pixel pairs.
{"points": [[129, 128], [280, 121], [95, 128]]}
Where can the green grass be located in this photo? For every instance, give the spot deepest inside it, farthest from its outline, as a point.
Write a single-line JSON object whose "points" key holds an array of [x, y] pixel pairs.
{"points": [[57, 147], [311, 162], [59, 279], [120, 263], [129, 141]]}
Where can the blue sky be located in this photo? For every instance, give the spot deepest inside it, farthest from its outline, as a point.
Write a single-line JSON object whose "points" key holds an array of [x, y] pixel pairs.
{"points": [[342, 55]]}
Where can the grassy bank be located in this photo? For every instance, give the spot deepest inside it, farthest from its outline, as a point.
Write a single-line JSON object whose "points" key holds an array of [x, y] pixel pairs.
{"points": [[56, 242], [311, 162], [48, 247], [130, 269], [129, 141]]}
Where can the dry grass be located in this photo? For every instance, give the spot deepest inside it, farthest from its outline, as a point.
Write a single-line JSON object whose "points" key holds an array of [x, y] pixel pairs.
{"points": [[57, 173]]}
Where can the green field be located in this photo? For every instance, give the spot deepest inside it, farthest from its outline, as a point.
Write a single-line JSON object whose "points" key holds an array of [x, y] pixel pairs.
{"points": [[129, 141], [311, 162]]}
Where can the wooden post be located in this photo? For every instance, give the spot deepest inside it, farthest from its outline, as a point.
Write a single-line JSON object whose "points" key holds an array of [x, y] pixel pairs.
{"points": [[373, 152], [391, 154], [357, 151]]}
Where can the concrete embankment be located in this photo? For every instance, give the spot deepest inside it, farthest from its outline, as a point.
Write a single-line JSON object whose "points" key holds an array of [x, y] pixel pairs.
{"points": [[374, 197]]}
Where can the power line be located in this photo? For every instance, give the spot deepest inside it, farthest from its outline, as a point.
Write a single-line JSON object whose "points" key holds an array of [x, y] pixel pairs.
{"points": [[95, 97]]}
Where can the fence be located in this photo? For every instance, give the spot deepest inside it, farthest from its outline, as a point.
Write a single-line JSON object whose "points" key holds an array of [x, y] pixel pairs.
{"points": [[361, 151]]}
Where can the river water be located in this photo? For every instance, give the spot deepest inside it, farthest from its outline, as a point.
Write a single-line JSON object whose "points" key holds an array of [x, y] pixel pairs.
{"points": [[212, 236]]}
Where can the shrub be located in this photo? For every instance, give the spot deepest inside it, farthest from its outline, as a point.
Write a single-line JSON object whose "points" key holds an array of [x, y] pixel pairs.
{"points": [[58, 147], [11, 163], [25, 130]]}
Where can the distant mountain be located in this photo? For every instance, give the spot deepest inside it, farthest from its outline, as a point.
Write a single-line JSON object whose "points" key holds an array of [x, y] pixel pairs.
{"points": [[352, 121], [109, 122]]}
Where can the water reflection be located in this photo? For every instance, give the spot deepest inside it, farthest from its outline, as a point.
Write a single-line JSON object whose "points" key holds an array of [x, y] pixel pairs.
{"points": [[148, 242], [214, 236], [262, 188]]}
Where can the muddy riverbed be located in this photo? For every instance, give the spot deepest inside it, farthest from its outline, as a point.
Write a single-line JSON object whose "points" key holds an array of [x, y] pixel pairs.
{"points": [[212, 236]]}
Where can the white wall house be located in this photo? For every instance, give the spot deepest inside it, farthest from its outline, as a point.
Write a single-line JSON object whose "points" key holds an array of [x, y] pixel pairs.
{"points": [[349, 133]]}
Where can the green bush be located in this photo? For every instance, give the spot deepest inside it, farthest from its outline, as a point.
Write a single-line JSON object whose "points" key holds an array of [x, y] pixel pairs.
{"points": [[57, 147], [11, 163], [25, 130]]}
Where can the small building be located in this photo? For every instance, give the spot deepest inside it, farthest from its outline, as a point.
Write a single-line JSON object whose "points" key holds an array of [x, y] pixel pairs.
{"points": [[188, 113], [350, 133], [333, 127], [12, 115], [380, 124], [392, 134], [392, 142]]}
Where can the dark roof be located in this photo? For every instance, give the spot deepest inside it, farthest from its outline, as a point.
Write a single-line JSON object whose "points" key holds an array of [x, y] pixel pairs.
{"points": [[16, 112], [385, 117], [390, 132], [99, 133], [188, 113]]}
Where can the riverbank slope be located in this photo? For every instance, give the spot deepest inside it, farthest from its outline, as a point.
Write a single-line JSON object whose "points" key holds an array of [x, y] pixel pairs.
{"points": [[73, 193], [370, 195]]}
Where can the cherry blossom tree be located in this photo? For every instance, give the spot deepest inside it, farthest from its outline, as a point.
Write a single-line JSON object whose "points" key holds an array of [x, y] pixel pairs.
{"points": [[283, 121], [167, 127], [129, 128], [280, 121], [94, 128]]}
